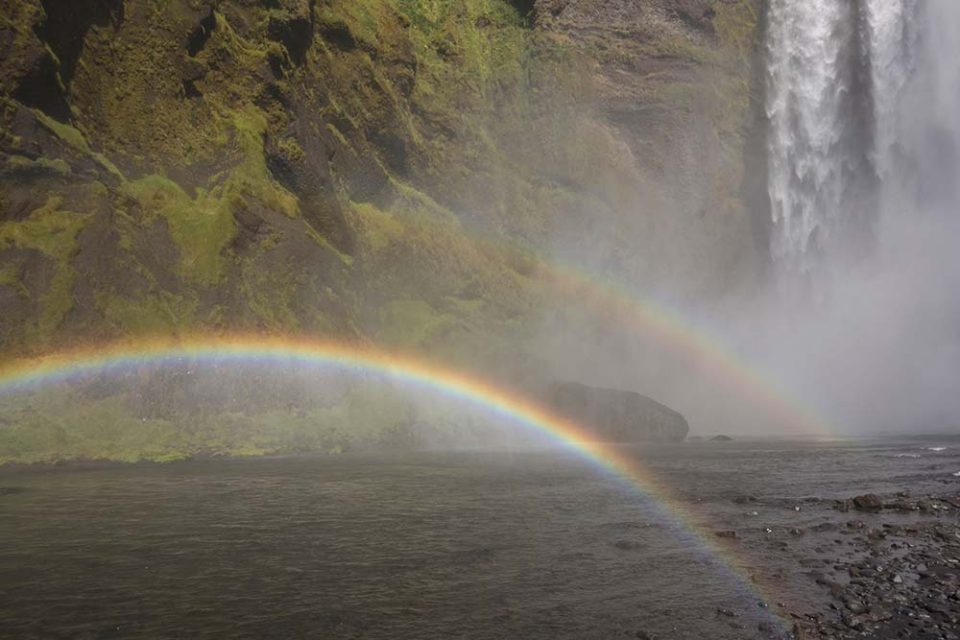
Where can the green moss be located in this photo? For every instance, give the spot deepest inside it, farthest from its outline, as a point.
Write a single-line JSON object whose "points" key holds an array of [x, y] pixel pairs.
{"points": [[60, 425], [55, 302], [736, 24], [270, 295], [159, 314], [378, 229], [412, 323], [737, 27], [53, 232], [74, 138], [48, 229], [9, 276], [291, 150], [412, 198], [322, 242], [202, 227], [338, 135], [56, 166], [251, 179]]}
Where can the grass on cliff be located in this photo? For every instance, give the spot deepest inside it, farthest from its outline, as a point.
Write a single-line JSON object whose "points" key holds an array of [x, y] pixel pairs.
{"points": [[60, 424], [202, 227], [52, 231]]}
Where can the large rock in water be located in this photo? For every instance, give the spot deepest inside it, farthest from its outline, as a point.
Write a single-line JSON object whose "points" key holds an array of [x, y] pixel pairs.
{"points": [[618, 416]]}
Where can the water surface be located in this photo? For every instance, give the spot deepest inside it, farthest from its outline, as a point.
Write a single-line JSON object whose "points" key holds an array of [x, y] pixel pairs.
{"points": [[428, 545]]}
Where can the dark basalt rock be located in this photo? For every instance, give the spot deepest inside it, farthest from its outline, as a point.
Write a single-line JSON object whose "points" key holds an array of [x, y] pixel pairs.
{"points": [[868, 502], [619, 416]]}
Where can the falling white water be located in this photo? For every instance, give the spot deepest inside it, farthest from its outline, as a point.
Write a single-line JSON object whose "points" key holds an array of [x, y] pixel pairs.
{"points": [[809, 84], [891, 46], [863, 147], [836, 76]]}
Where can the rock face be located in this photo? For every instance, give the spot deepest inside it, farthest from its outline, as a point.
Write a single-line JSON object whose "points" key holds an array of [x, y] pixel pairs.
{"points": [[384, 172], [619, 416], [319, 167]]}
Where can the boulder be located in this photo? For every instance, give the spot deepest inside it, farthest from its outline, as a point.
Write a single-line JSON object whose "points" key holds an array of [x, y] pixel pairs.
{"points": [[868, 502], [618, 416]]}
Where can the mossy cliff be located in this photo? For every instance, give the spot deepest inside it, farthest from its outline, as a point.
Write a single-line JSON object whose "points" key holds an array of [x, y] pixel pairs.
{"points": [[371, 170]]}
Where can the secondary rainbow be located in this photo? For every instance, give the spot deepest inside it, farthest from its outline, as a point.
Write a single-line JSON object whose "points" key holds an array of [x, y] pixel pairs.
{"points": [[26, 375], [607, 298], [726, 367]]}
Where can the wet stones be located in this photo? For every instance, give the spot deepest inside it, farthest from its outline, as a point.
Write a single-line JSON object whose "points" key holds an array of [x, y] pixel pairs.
{"points": [[872, 503], [868, 502]]}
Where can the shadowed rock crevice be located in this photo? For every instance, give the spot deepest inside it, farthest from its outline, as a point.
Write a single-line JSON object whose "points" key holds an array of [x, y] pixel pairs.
{"points": [[292, 26], [41, 88], [46, 84], [67, 24], [198, 38], [525, 8], [338, 34]]}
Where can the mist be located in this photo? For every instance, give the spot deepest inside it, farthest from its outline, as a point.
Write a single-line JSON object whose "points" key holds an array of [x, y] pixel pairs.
{"points": [[862, 311], [854, 318]]}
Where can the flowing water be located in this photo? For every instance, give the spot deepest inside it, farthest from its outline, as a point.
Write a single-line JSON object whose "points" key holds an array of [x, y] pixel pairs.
{"points": [[863, 156], [863, 102], [433, 545]]}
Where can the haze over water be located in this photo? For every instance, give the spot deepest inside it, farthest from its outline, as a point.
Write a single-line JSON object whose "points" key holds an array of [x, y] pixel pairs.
{"points": [[861, 313], [530, 545]]}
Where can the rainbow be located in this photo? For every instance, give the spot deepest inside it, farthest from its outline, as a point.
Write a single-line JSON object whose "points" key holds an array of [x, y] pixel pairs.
{"points": [[26, 375], [724, 365], [609, 299]]}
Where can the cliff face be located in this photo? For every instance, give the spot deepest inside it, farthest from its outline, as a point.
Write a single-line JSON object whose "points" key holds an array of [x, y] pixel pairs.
{"points": [[354, 168], [385, 171]]}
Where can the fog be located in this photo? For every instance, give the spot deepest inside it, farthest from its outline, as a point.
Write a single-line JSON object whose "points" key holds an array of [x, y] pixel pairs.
{"points": [[862, 316], [854, 326], [849, 324]]}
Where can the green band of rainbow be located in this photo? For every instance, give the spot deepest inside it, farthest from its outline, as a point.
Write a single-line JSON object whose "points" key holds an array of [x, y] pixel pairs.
{"points": [[28, 374]]}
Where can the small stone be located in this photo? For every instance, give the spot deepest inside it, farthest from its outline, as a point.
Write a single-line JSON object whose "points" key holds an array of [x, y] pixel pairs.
{"points": [[855, 606]]}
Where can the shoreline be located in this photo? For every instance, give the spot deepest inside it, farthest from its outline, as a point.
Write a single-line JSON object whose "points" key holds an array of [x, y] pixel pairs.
{"points": [[12, 468]]}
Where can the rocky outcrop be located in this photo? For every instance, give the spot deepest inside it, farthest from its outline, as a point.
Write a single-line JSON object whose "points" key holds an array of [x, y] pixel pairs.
{"points": [[675, 83], [618, 416], [327, 167]]}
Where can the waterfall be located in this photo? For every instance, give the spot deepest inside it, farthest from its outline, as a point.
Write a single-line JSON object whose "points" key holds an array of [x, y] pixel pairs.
{"points": [[863, 101], [863, 159], [815, 84]]}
